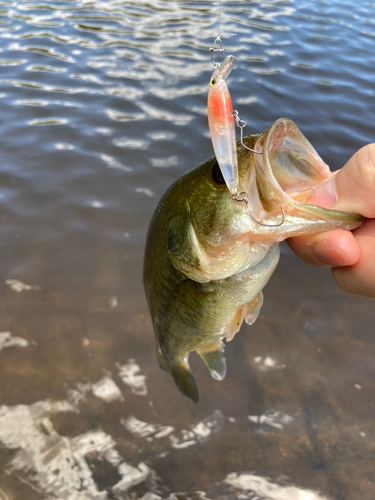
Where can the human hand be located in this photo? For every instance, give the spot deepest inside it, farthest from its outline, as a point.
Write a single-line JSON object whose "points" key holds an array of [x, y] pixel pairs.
{"points": [[351, 254]]}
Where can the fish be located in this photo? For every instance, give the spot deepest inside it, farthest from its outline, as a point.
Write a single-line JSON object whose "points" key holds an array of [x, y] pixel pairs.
{"points": [[207, 261], [221, 123]]}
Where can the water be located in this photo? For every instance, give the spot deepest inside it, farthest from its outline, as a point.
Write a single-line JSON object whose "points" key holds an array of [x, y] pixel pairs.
{"points": [[102, 108]]}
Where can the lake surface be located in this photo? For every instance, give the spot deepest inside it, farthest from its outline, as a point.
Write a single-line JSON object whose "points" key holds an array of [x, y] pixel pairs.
{"points": [[102, 107]]}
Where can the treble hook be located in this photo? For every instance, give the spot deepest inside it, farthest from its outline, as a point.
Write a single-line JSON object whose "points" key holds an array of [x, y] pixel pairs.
{"points": [[241, 124], [243, 196], [213, 50]]}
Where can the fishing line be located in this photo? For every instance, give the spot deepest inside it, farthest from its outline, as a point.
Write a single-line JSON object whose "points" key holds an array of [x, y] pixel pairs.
{"points": [[218, 30]]}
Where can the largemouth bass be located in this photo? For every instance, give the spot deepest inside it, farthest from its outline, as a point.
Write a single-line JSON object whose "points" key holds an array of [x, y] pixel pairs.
{"points": [[207, 260]]}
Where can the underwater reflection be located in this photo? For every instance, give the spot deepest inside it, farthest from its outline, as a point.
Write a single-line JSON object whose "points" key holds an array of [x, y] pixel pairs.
{"points": [[89, 465]]}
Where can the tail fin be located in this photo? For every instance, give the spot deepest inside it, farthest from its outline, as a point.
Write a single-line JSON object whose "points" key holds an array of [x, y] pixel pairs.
{"points": [[182, 377]]}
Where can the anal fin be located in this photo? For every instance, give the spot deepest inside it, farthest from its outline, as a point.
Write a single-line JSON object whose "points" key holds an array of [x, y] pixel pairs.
{"points": [[215, 361], [253, 309]]}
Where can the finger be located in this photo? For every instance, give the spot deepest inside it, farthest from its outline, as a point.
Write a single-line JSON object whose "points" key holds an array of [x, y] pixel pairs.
{"points": [[331, 248], [352, 188], [359, 279]]}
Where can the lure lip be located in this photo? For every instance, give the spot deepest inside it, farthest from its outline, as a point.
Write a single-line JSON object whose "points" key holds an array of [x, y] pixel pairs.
{"points": [[224, 69]]}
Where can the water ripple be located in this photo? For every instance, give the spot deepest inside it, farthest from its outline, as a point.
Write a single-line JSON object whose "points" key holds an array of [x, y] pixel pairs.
{"points": [[45, 52], [51, 36], [28, 102], [161, 114], [121, 117], [47, 88], [48, 121], [51, 69], [10, 62]]}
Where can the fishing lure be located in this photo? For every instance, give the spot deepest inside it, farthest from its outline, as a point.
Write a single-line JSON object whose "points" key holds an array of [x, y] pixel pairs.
{"points": [[221, 123]]}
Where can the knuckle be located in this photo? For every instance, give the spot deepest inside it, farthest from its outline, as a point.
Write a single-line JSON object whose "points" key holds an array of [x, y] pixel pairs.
{"points": [[344, 280], [355, 283], [355, 183]]}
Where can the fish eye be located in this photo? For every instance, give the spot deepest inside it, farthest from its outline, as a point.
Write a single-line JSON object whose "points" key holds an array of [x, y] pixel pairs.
{"points": [[216, 175], [213, 81]]}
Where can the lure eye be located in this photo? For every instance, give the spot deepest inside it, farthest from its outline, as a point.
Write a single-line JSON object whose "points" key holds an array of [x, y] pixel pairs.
{"points": [[213, 81], [216, 175]]}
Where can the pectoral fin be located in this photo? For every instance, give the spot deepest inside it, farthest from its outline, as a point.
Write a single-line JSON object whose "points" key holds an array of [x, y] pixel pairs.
{"points": [[187, 250], [184, 248]]}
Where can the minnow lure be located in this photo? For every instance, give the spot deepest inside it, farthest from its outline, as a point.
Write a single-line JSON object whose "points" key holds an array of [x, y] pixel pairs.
{"points": [[221, 123]]}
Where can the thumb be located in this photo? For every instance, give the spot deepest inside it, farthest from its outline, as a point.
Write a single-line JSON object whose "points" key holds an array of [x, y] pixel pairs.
{"points": [[351, 189]]}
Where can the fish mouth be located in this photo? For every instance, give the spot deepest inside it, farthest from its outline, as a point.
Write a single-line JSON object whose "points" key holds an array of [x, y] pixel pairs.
{"points": [[281, 175], [289, 166]]}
